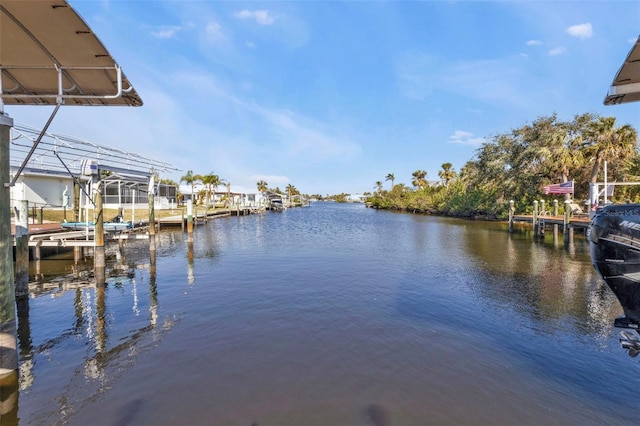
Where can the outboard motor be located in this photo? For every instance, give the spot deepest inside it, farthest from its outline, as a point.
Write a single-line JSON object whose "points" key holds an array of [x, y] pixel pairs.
{"points": [[615, 253]]}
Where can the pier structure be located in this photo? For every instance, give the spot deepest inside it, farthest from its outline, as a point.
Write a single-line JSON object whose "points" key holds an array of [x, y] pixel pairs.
{"points": [[64, 67], [541, 218]]}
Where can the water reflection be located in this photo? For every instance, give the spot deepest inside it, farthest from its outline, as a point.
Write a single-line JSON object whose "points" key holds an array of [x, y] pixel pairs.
{"points": [[541, 279], [336, 316], [91, 321]]}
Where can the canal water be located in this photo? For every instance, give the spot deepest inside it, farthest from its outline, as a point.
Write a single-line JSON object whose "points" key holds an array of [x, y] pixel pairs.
{"points": [[332, 314]]}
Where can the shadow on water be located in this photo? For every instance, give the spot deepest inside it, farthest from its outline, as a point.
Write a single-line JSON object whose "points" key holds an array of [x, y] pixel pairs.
{"points": [[377, 415]]}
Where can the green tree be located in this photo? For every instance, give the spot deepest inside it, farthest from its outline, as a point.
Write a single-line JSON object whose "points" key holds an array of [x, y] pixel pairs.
{"points": [[262, 186], [378, 186], [603, 140], [191, 179], [419, 179], [210, 181], [447, 174], [392, 178]]}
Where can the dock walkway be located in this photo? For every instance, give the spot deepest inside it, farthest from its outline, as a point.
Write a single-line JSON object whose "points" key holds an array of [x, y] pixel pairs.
{"points": [[574, 222]]}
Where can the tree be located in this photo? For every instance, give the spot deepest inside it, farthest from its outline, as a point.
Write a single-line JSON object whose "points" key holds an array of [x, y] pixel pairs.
{"points": [[390, 177], [419, 179], [262, 186], [378, 186], [190, 179], [606, 141], [447, 174], [210, 181]]}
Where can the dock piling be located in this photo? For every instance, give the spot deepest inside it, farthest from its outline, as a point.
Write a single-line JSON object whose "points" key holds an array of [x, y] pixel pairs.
{"points": [[512, 211], [189, 220], [535, 218], [98, 238], [8, 341], [152, 215], [22, 248]]}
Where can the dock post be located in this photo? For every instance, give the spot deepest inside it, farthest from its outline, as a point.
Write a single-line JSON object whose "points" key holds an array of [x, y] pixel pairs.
{"points": [[8, 340], [22, 248], [189, 220], [541, 219], [152, 215], [99, 264], [36, 258], [567, 212], [512, 210], [535, 218], [76, 201], [555, 226]]}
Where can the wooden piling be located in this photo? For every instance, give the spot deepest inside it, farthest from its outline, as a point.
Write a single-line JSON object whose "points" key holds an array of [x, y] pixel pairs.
{"points": [[99, 263], [8, 341], [189, 221], [22, 248], [152, 216], [76, 201], [512, 211], [535, 218], [567, 214]]}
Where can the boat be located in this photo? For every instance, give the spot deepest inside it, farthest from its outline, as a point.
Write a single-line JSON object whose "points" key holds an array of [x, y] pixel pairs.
{"points": [[277, 205], [614, 232], [90, 226], [614, 237]]}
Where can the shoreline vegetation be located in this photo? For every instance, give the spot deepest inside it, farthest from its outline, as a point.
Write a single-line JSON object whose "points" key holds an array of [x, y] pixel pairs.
{"points": [[518, 164]]}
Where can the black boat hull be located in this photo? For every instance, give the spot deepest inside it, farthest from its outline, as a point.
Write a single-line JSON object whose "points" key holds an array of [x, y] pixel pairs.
{"points": [[615, 252]]}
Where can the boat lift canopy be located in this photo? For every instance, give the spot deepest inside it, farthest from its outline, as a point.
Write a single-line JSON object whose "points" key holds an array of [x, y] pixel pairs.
{"points": [[50, 56], [626, 84]]}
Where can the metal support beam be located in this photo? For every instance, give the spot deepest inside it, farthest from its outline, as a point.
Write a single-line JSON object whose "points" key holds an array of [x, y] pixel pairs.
{"points": [[35, 145]]}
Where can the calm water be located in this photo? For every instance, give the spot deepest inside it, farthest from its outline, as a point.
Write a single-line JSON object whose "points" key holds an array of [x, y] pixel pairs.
{"points": [[329, 315]]}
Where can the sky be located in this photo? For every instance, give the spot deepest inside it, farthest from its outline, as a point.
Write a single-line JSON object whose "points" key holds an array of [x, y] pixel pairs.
{"points": [[332, 96]]}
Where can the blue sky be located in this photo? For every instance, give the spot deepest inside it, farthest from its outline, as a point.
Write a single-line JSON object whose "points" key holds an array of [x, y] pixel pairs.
{"points": [[333, 96]]}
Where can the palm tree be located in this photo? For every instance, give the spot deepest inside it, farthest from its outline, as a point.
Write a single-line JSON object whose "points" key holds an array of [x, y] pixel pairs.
{"points": [[390, 177], [262, 186], [378, 186], [447, 173], [190, 179], [210, 181], [419, 179], [605, 140]]}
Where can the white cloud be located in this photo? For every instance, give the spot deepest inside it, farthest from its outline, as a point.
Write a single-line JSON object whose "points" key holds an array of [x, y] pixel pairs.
{"points": [[214, 32], [534, 43], [582, 31], [166, 32], [262, 17], [462, 137], [557, 51]]}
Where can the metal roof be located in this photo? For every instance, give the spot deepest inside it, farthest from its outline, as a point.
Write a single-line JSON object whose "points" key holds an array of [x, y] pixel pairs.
{"points": [[626, 84], [49, 55], [65, 154]]}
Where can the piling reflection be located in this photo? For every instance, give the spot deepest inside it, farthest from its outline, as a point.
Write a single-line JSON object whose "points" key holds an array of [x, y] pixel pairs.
{"points": [[91, 320], [191, 279], [547, 280], [9, 399]]}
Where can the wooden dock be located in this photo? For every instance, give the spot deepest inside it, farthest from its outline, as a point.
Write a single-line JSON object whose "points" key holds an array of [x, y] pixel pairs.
{"points": [[574, 222], [204, 216]]}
